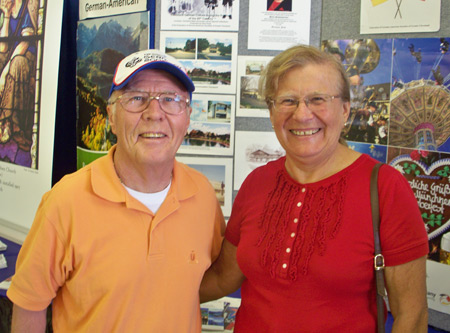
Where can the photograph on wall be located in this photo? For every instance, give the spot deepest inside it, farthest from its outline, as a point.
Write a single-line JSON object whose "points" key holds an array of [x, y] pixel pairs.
{"points": [[210, 58], [378, 152], [203, 15], [101, 44], [278, 24], [420, 98], [231, 306], [249, 101], [30, 33], [367, 63], [212, 316], [219, 172], [219, 315], [211, 130], [394, 16], [253, 149], [428, 173], [438, 288], [279, 5]]}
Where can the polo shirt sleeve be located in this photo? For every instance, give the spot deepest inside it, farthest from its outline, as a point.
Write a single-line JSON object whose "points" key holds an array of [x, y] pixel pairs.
{"points": [[402, 231], [41, 265]]}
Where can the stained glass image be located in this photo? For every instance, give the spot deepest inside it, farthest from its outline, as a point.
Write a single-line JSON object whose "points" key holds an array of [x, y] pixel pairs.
{"points": [[21, 31]]}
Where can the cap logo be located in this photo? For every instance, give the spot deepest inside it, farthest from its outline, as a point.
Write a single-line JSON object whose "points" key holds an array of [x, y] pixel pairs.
{"points": [[154, 57], [133, 62], [150, 57]]}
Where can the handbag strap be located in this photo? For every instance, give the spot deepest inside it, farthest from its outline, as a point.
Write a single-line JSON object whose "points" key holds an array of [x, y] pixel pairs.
{"points": [[378, 258]]}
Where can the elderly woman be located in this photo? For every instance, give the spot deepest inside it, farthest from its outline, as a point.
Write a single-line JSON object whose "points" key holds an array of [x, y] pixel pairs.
{"points": [[299, 241]]}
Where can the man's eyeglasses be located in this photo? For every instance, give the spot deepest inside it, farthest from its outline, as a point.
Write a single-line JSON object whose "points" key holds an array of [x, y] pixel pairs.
{"points": [[138, 101], [314, 102]]}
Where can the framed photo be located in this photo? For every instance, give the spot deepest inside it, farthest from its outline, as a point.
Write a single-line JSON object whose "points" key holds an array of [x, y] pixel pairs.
{"points": [[211, 131], [249, 101], [219, 172], [204, 15], [253, 150], [210, 58]]}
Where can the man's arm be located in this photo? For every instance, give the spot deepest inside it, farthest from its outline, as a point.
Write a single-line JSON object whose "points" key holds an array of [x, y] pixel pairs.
{"points": [[223, 277], [28, 321], [406, 287]]}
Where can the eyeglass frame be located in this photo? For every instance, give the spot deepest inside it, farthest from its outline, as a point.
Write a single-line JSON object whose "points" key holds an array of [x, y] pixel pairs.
{"points": [[151, 98], [306, 100]]}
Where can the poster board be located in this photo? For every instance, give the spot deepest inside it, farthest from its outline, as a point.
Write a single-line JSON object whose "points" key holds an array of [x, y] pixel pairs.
{"points": [[26, 148], [101, 43]]}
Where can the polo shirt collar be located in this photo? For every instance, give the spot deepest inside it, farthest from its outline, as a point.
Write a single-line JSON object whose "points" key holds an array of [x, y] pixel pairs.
{"points": [[182, 183], [106, 183], [104, 179]]}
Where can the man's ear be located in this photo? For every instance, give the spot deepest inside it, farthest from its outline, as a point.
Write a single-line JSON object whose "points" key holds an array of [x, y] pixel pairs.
{"points": [[188, 117], [111, 110]]}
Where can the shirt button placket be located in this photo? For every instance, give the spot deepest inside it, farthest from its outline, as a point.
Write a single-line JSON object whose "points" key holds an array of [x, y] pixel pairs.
{"points": [[292, 232]]}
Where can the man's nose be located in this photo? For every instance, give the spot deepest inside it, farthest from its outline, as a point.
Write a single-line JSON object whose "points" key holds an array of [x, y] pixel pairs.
{"points": [[153, 109]]}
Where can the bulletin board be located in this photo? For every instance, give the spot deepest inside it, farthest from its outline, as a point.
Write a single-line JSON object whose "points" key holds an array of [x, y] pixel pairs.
{"points": [[330, 20]]}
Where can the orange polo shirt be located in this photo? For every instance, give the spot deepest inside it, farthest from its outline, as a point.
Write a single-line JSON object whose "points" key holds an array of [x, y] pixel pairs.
{"points": [[109, 264]]}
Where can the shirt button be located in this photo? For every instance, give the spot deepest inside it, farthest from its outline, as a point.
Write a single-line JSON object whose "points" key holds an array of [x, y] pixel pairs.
{"points": [[284, 266], [288, 250], [303, 190], [295, 220], [299, 204], [293, 235]]}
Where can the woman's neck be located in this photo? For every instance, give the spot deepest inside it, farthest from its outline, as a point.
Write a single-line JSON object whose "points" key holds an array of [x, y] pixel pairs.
{"points": [[306, 172]]}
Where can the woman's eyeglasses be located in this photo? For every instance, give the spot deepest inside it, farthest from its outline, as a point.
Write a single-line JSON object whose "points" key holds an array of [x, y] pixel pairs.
{"points": [[314, 102]]}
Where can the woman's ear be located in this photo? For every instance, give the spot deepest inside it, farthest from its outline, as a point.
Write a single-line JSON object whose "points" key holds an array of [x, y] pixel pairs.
{"points": [[346, 111]]}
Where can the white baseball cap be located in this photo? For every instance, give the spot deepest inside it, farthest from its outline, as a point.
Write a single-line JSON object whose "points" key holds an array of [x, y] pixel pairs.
{"points": [[149, 59]]}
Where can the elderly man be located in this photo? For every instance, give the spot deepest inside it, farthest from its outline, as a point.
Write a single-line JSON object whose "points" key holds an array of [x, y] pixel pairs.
{"points": [[121, 245]]}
